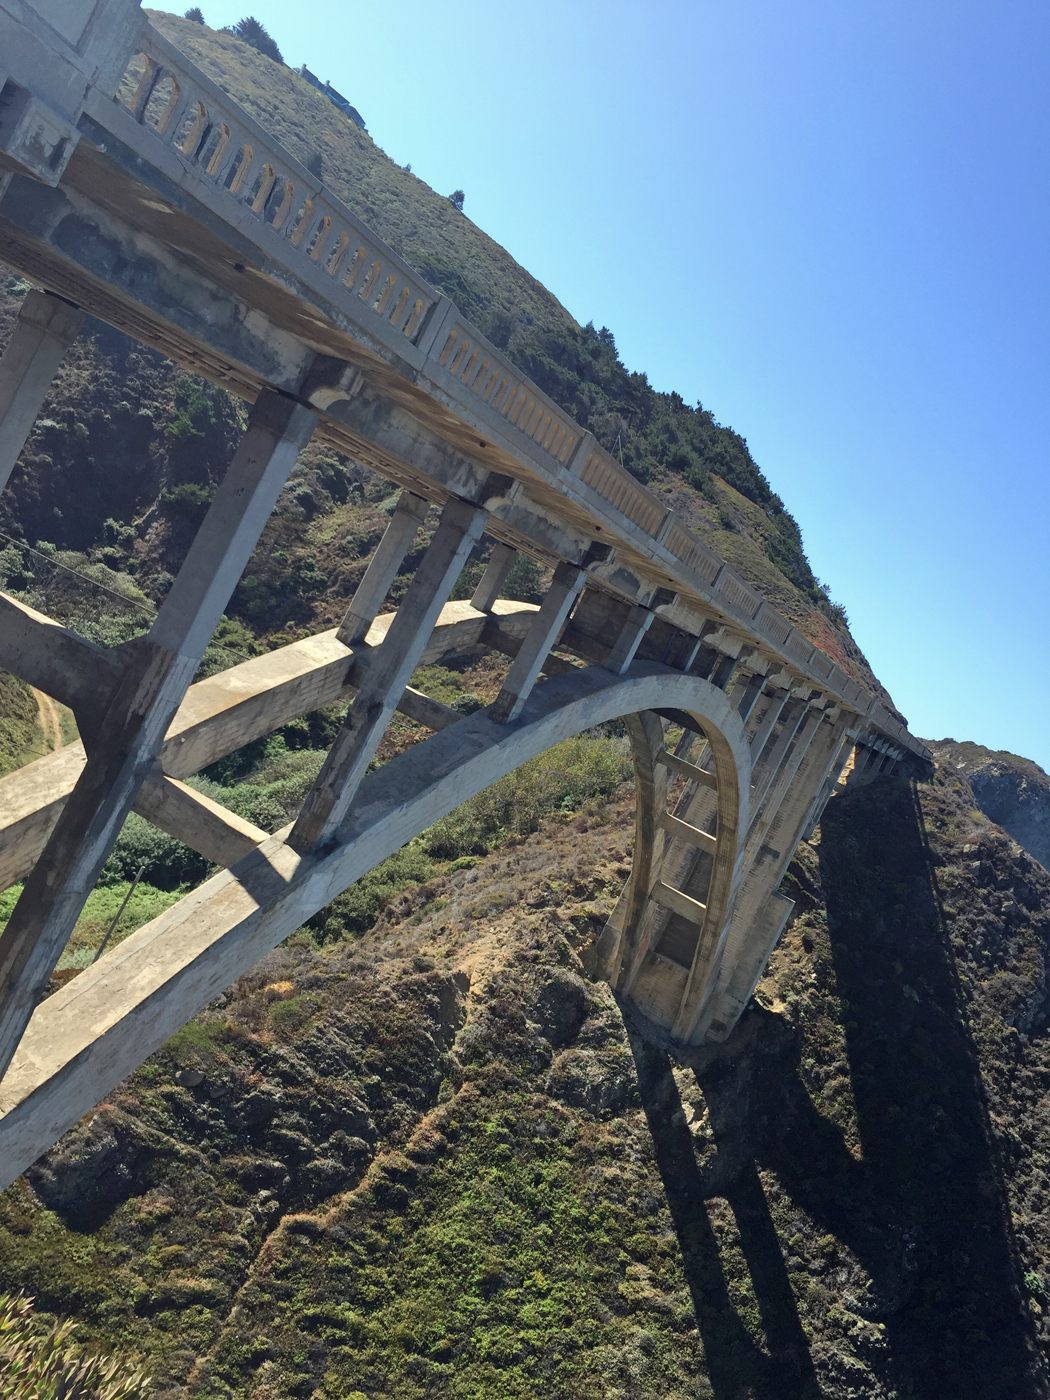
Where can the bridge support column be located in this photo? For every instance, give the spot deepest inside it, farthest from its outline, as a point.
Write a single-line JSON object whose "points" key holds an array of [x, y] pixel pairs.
{"points": [[158, 670], [624, 949], [745, 693], [824, 795], [390, 667], [501, 561], [768, 764], [565, 587], [46, 327], [637, 623], [382, 569]]}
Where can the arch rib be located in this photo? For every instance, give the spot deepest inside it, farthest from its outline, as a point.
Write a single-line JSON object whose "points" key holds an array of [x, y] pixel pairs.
{"points": [[83, 1040]]}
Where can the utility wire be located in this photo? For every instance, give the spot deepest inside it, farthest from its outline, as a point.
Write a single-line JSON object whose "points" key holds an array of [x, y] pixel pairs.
{"points": [[131, 602], [151, 612], [119, 915]]}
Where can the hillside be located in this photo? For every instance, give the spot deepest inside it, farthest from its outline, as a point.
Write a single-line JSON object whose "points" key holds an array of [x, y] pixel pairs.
{"points": [[435, 1162], [704, 468]]}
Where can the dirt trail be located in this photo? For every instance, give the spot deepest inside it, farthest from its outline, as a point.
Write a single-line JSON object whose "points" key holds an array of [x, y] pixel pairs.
{"points": [[50, 719]]}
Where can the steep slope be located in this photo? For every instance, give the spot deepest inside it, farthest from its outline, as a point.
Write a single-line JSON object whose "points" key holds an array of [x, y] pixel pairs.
{"points": [[435, 1162]]}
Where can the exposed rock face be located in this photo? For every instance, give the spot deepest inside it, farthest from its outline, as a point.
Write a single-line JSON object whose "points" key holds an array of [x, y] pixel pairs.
{"points": [[1012, 792]]}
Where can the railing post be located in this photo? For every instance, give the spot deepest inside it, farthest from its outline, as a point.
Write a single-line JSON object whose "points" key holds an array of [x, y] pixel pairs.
{"points": [[46, 327]]}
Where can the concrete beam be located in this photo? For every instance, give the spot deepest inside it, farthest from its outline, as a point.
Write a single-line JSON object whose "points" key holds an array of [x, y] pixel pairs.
{"points": [[61, 663], [623, 944], [766, 722], [501, 561], [218, 834], [546, 626], [685, 831], [233, 708], [382, 569], [770, 759], [629, 639], [430, 713], [683, 769], [159, 668], [678, 903], [760, 913]]}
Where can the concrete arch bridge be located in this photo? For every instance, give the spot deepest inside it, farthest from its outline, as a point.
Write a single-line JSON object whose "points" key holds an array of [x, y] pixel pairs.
{"points": [[133, 189]]}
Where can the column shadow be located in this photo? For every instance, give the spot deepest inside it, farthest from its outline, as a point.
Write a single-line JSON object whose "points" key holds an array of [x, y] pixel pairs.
{"points": [[925, 1210], [737, 1367]]}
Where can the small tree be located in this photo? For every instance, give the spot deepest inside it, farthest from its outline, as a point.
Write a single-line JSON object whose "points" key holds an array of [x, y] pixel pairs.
{"points": [[50, 1366], [194, 13], [456, 199], [252, 32]]}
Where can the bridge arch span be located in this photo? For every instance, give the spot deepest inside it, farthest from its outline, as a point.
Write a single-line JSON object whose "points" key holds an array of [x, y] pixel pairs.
{"points": [[88, 1036]]}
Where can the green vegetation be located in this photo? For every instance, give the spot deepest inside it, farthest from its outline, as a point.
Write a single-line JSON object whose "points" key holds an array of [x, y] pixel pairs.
{"points": [[424, 1161], [563, 779], [48, 1365], [252, 32], [20, 737], [649, 431], [573, 773]]}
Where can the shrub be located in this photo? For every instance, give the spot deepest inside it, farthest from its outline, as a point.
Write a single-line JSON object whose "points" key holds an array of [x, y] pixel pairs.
{"points": [[355, 911], [290, 1015], [50, 1365], [188, 499], [195, 404], [168, 863], [525, 581]]}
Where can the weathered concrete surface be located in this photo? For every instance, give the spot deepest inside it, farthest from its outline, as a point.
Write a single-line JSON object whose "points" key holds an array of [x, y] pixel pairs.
{"points": [[383, 685], [136, 714]]}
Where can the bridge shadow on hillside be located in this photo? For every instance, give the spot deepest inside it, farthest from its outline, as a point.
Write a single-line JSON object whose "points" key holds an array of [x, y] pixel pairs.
{"points": [[924, 1212]]}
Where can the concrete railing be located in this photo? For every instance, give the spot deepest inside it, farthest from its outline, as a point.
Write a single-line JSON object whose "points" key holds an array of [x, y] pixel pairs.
{"points": [[250, 175], [170, 97]]}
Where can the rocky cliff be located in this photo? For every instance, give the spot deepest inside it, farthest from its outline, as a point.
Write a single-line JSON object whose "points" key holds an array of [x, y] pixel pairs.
{"points": [[1013, 792]]}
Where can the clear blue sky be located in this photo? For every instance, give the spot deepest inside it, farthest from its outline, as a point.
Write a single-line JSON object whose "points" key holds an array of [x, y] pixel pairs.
{"points": [[827, 221]]}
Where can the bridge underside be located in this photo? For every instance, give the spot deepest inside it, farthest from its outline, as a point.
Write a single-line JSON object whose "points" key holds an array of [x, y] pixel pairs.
{"points": [[686, 943], [130, 187]]}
